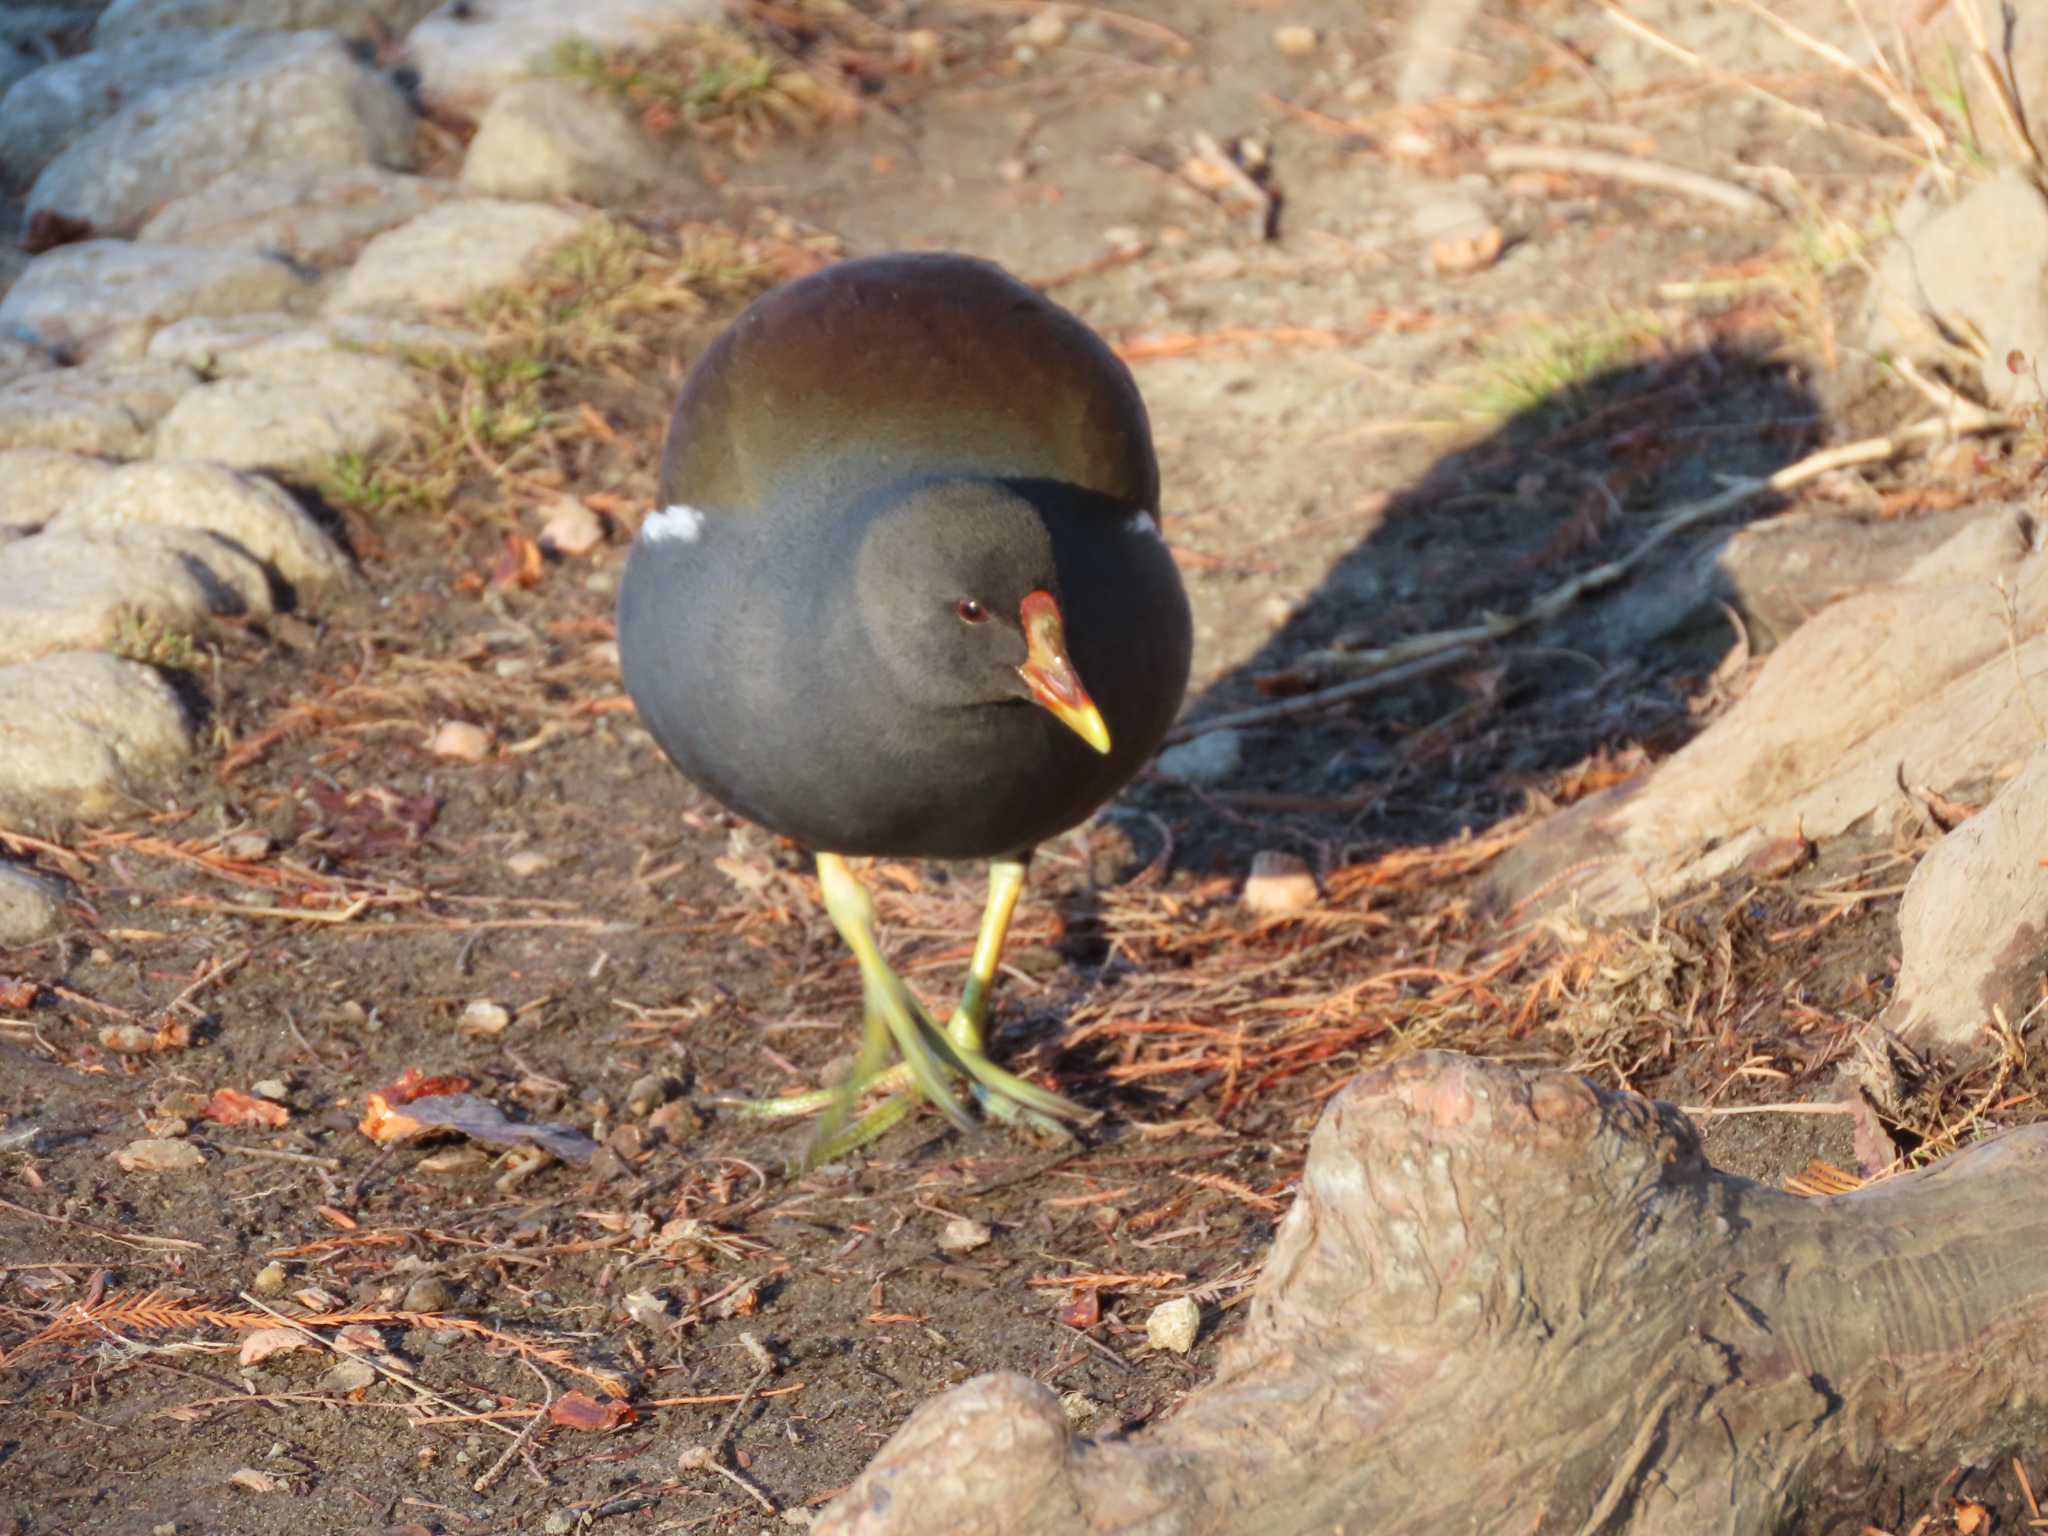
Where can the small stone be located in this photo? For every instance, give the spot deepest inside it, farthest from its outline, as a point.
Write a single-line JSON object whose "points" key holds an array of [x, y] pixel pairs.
{"points": [[482, 1019], [650, 1092], [1080, 1408], [249, 847], [647, 1308], [1295, 41], [30, 905], [527, 863], [1279, 883], [155, 1154], [560, 1522], [572, 529], [963, 1235], [460, 740], [1210, 758], [429, 1293], [275, 1089], [270, 1279], [1174, 1324], [1047, 28], [348, 1376]]}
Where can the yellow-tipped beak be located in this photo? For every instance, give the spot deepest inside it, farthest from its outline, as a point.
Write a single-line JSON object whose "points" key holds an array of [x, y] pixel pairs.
{"points": [[1055, 685]]}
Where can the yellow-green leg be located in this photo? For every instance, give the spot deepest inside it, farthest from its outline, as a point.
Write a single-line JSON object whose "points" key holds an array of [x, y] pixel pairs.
{"points": [[932, 1057]]}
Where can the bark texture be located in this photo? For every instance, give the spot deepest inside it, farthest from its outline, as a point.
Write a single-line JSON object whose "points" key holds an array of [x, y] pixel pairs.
{"points": [[1510, 1301]]}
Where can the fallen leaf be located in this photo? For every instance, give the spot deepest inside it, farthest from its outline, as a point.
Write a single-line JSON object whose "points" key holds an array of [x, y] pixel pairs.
{"points": [[1971, 1518], [1083, 1309], [231, 1106], [519, 563], [579, 1410]]}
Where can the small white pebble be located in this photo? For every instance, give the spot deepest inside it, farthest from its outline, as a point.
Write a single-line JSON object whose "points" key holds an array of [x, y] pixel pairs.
{"points": [[1295, 40], [482, 1018], [963, 1235], [462, 741], [1174, 1324], [527, 863], [572, 529], [1278, 883]]}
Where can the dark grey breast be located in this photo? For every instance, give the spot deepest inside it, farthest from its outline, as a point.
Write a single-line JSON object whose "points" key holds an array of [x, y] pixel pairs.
{"points": [[829, 401]]}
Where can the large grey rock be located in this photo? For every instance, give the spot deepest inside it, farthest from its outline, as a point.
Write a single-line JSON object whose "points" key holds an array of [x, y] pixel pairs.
{"points": [[314, 213], [469, 50], [306, 99], [444, 258], [61, 101], [315, 405], [552, 138], [1980, 265], [206, 342], [119, 589], [1974, 924], [106, 298], [17, 62], [79, 730], [264, 341], [44, 30], [255, 515], [38, 483], [128, 19], [111, 409], [20, 357], [30, 905]]}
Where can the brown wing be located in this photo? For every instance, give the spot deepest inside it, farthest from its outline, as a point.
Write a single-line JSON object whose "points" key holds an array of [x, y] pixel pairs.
{"points": [[906, 364]]}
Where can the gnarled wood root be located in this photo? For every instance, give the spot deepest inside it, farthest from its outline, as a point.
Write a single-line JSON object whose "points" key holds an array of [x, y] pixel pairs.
{"points": [[1510, 1301]]}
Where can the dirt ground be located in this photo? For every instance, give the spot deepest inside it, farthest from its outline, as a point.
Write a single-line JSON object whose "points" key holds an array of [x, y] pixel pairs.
{"points": [[1355, 446]]}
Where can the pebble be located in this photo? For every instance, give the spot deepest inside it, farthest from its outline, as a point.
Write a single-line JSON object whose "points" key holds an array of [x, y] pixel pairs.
{"points": [[1279, 883], [1210, 758], [964, 1235], [483, 1019], [30, 906], [275, 1089], [156, 1154], [270, 1279], [572, 529], [1295, 41], [460, 740], [649, 1092], [527, 863], [429, 1293], [1174, 1324]]}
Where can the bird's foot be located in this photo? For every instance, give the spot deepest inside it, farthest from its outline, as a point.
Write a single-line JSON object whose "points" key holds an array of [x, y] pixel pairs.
{"points": [[934, 1060]]}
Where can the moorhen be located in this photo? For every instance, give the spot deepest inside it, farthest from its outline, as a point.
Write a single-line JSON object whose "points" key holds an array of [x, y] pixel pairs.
{"points": [[905, 594]]}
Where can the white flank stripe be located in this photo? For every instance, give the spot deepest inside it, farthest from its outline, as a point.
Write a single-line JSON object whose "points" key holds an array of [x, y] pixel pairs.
{"points": [[675, 524]]}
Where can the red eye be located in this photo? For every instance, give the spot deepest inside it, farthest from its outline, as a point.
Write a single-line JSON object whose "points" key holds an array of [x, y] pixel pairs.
{"points": [[970, 611]]}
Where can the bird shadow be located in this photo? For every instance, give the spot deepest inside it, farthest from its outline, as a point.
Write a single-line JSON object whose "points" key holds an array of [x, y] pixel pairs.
{"points": [[1576, 479]]}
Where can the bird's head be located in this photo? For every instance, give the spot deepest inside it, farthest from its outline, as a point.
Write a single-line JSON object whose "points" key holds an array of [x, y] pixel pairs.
{"points": [[958, 594]]}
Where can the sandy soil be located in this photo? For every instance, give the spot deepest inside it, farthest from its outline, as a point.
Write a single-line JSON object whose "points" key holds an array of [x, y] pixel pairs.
{"points": [[1355, 444]]}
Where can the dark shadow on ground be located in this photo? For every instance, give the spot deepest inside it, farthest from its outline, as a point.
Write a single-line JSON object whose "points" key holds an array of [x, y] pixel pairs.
{"points": [[1561, 487]]}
